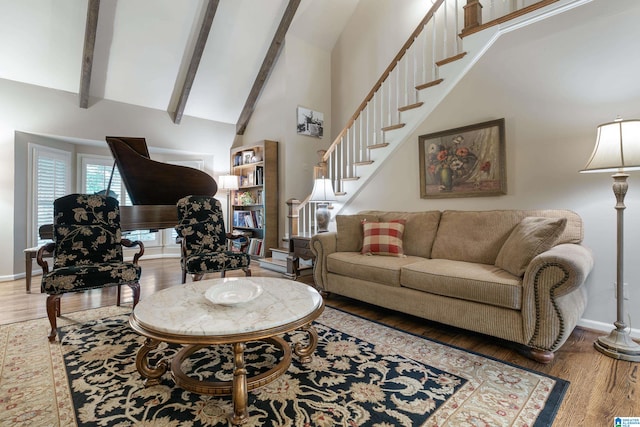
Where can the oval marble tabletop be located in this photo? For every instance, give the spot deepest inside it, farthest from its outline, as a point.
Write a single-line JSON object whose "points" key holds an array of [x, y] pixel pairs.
{"points": [[184, 309]]}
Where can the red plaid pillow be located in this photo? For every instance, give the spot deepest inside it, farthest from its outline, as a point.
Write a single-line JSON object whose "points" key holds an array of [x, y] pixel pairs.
{"points": [[383, 238]]}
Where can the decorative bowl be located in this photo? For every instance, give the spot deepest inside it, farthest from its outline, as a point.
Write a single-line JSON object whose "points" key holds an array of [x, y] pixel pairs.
{"points": [[233, 292]]}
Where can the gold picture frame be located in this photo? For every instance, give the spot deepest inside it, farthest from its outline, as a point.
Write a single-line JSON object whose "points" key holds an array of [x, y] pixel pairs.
{"points": [[468, 161]]}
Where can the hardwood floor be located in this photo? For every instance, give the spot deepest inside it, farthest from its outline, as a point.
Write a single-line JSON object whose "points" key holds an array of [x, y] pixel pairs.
{"points": [[601, 388]]}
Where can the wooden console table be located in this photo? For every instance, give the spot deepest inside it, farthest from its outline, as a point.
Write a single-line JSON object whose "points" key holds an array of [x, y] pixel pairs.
{"points": [[298, 248]]}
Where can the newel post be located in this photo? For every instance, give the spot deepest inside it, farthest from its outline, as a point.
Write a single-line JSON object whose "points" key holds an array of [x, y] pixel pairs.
{"points": [[292, 216], [472, 15]]}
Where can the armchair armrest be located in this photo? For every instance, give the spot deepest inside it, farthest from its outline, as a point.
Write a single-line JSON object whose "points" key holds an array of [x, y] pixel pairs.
{"points": [[322, 245], [553, 295], [48, 250], [130, 244]]}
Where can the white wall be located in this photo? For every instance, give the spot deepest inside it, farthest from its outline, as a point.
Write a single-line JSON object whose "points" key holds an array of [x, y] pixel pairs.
{"points": [[36, 110], [302, 77], [371, 39], [553, 82]]}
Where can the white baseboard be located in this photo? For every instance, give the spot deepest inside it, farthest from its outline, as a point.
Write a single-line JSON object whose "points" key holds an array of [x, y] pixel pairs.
{"points": [[605, 327]]}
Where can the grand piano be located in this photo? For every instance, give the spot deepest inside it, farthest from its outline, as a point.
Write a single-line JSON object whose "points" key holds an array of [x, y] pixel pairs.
{"points": [[154, 187]]}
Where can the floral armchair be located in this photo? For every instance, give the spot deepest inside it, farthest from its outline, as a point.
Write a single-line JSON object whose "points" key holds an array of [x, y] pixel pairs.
{"points": [[87, 251], [203, 239]]}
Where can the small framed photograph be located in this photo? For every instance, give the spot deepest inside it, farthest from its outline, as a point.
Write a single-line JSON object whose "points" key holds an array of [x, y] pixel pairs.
{"points": [[310, 122], [463, 162], [246, 157]]}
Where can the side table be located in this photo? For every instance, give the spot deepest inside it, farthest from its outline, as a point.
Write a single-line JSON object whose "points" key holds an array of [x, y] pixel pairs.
{"points": [[298, 248]]}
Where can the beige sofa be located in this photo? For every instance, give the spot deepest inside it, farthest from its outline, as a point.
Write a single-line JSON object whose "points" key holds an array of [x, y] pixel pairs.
{"points": [[513, 274]]}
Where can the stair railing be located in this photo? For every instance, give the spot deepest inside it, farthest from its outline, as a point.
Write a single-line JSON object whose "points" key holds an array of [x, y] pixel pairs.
{"points": [[436, 41]]}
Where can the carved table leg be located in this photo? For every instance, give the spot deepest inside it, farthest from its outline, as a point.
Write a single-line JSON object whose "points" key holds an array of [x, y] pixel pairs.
{"points": [[240, 392], [150, 374], [304, 353]]}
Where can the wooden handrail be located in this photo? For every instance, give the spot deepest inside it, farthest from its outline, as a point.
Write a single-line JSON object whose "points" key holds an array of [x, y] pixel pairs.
{"points": [[384, 76]]}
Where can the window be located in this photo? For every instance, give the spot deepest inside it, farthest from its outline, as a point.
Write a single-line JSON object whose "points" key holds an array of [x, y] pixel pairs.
{"points": [[51, 178], [95, 176]]}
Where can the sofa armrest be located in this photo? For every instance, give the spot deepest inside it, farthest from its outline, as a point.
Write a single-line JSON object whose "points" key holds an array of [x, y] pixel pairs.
{"points": [[553, 295], [322, 245]]}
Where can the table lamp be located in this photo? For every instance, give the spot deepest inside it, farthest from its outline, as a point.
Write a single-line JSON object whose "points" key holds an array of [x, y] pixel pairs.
{"points": [[617, 150], [322, 194], [228, 183]]}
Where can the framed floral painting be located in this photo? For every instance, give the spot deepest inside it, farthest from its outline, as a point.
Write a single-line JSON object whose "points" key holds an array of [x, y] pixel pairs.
{"points": [[464, 162]]}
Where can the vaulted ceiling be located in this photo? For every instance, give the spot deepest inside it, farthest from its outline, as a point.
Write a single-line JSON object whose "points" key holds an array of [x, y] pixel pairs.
{"points": [[143, 48]]}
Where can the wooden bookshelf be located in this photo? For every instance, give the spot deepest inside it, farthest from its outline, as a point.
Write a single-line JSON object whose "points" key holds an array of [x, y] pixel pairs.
{"points": [[254, 206]]}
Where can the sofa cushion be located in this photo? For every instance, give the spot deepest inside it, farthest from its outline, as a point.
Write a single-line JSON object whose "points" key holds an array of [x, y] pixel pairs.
{"points": [[383, 238], [384, 270], [349, 231], [481, 283], [419, 229], [532, 236], [573, 232]]}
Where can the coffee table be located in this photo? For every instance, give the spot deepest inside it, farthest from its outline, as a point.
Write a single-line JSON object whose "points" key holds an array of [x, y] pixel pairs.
{"points": [[183, 315]]}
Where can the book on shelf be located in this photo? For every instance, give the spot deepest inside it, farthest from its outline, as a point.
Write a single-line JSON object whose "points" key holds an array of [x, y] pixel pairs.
{"points": [[255, 247], [248, 219], [239, 218], [236, 244]]}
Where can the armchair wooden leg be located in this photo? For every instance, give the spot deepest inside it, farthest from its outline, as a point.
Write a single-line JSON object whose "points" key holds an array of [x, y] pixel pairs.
{"points": [[53, 310], [184, 276], [197, 277], [247, 271], [118, 295], [223, 273]]}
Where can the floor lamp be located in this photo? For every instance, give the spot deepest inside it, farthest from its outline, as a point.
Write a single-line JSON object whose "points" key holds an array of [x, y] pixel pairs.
{"points": [[323, 194], [617, 150], [228, 183]]}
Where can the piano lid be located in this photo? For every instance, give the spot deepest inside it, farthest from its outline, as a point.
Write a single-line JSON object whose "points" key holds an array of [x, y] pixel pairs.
{"points": [[156, 183]]}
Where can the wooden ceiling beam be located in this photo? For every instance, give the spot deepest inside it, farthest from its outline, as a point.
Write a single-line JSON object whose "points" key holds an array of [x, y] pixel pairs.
{"points": [[267, 66], [212, 7], [90, 30]]}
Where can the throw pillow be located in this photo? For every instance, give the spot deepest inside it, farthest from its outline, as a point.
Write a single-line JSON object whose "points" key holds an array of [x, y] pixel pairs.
{"points": [[531, 237], [349, 231], [383, 238]]}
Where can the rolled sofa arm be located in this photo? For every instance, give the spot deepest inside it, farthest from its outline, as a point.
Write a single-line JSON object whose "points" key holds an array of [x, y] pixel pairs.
{"points": [[553, 295], [322, 245]]}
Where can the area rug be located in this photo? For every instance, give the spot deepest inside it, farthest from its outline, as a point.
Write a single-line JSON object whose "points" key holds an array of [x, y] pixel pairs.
{"points": [[362, 374]]}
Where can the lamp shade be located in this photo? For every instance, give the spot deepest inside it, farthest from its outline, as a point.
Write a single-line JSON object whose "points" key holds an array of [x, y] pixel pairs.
{"points": [[228, 182], [617, 147], [322, 191]]}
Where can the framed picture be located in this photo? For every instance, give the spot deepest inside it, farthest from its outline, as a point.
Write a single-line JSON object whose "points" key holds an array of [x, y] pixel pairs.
{"points": [[310, 122], [246, 157], [464, 162]]}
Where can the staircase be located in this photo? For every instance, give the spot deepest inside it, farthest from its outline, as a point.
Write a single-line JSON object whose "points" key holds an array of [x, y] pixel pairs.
{"points": [[444, 47]]}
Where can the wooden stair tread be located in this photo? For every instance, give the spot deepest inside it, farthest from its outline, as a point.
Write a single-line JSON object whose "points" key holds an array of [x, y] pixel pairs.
{"points": [[381, 145], [363, 163], [429, 84], [340, 193], [411, 106], [274, 261], [450, 59], [281, 250], [393, 127], [350, 178]]}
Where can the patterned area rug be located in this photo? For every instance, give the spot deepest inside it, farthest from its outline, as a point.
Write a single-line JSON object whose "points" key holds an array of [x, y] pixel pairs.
{"points": [[362, 374]]}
